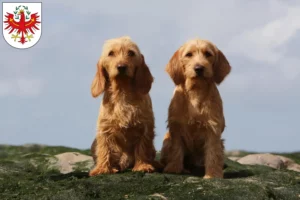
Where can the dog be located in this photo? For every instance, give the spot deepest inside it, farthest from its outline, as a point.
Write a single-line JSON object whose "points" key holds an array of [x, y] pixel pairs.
{"points": [[125, 125], [195, 115]]}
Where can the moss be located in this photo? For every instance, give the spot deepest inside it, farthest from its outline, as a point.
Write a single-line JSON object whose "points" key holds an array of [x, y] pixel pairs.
{"points": [[24, 174]]}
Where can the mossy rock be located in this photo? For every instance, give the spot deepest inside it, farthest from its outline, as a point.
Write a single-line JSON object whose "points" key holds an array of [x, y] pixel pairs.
{"points": [[24, 174]]}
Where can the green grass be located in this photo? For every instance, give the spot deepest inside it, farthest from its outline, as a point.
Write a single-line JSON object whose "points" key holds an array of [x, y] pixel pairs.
{"points": [[24, 174]]}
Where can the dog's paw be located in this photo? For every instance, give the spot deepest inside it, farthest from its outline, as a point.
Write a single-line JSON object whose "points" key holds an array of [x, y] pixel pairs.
{"points": [[207, 177], [143, 168], [102, 170], [211, 176]]}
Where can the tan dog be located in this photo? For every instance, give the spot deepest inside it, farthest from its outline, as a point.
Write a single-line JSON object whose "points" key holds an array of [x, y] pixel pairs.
{"points": [[195, 118], [125, 126]]}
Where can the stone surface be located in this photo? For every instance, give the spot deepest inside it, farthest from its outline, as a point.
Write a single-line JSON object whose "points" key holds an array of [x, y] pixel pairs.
{"points": [[286, 161], [294, 167], [160, 196], [192, 179], [69, 161], [270, 160], [262, 159], [234, 158]]}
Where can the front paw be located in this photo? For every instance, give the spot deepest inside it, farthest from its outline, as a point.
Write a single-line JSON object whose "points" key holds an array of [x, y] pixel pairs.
{"points": [[102, 170], [173, 169], [207, 176], [143, 168]]}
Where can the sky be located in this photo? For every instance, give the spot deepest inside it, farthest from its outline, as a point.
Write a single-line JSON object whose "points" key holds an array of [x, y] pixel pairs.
{"points": [[45, 90]]}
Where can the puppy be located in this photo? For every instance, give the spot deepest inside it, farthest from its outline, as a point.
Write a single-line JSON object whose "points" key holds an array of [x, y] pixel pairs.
{"points": [[195, 116], [125, 126]]}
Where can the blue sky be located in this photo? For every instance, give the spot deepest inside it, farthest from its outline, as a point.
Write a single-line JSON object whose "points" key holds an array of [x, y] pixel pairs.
{"points": [[45, 90]]}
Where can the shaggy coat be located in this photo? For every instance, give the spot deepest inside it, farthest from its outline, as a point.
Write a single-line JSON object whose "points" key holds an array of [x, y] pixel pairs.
{"points": [[125, 125], [195, 117]]}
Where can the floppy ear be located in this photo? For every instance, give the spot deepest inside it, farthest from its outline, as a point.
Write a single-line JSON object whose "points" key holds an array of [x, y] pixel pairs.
{"points": [[99, 82], [174, 69], [143, 78], [221, 68]]}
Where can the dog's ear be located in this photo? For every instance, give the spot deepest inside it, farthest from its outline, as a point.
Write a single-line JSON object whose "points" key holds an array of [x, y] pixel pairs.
{"points": [[221, 67], [99, 82], [143, 78], [174, 69]]}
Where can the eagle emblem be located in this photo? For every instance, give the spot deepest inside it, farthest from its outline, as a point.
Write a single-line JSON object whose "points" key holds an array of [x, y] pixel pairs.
{"points": [[22, 24]]}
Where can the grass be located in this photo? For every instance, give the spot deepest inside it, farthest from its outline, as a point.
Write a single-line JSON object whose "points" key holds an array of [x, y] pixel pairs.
{"points": [[24, 174]]}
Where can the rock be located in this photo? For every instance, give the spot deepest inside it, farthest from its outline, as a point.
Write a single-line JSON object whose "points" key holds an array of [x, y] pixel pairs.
{"points": [[160, 196], [234, 158], [294, 167], [192, 179], [286, 161], [267, 159], [290, 164], [69, 161], [274, 161]]}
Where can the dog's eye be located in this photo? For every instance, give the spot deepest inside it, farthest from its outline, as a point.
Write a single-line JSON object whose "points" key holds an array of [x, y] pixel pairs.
{"points": [[111, 53], [189, 54], [207, 54], [131, 53]]}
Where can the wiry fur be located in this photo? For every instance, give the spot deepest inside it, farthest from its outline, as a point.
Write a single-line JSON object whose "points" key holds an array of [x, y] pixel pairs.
{"points": [[125, 125], [195, 118]]}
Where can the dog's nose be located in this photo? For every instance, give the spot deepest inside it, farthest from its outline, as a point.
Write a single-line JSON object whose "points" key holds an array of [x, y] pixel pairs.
{"points": [[199, 69], [122, 68]]}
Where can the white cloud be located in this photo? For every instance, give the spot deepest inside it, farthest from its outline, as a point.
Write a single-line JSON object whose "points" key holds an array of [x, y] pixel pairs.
{"points": [[264, 43], [267, 43]]}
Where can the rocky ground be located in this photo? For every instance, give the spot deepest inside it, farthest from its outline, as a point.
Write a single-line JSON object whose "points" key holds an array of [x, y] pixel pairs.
{"points": [[43, 172]]}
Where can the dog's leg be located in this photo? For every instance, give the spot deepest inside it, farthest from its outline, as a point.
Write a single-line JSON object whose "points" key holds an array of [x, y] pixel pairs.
{"points": [[172, 154], [105, 157], [144, 153], [214, 156], [93, 150], [126, 161]]}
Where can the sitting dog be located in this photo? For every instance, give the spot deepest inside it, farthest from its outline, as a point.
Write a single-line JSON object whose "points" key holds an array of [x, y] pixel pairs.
{"points": [[125, 126], [195, 116]]}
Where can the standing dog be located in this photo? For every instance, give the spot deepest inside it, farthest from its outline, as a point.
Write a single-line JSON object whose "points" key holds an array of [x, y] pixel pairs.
{"points": [[125, 126], [195, 118]]}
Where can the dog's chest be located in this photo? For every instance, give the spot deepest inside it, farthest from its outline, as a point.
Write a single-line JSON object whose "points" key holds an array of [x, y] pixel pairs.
{"points": [[124, 114], [200, 115]]}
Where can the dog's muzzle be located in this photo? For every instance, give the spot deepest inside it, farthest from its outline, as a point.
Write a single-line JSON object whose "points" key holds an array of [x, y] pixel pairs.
{"points": [[122, 69], [199, 69]]}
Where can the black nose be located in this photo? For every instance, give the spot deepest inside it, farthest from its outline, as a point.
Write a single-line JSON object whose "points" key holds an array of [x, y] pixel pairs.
{"points": [[122, 68], [199, 69]]}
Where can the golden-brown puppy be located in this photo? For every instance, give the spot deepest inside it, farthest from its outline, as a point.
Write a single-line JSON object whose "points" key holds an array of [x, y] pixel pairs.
{"points": [[125, 126], [195, 118]]}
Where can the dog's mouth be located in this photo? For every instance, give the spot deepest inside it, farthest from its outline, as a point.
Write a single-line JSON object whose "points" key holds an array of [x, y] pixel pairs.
{"points": [[123, 74], [199, 74]]}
